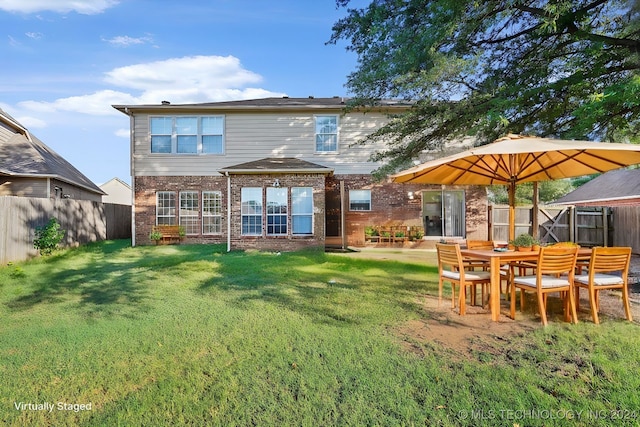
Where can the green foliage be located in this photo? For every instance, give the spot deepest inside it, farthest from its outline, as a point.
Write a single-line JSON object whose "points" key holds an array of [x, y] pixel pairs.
{"points": [[155, 235], [370, 230], [548, 191], [565, 69], [48, 238], [524, 241]]}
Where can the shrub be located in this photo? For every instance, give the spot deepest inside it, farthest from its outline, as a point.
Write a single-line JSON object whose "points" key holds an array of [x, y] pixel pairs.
{"points": [[48, 237]]}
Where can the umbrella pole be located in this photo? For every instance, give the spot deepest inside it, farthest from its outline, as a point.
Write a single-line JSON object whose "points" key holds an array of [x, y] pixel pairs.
{"points": [[512, 210]]}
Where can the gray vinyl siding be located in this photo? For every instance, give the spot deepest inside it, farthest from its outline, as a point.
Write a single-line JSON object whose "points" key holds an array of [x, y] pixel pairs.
{"points": [[253, 136], [24, 187]]}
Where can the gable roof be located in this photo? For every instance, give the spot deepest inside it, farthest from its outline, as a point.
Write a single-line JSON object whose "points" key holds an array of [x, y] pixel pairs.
{"points": [[24, 155], [277, 165], [614, 185], [284, 103]]}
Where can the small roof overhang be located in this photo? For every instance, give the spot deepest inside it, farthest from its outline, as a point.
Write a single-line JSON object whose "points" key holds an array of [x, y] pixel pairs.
{"points": [[271, 165]]}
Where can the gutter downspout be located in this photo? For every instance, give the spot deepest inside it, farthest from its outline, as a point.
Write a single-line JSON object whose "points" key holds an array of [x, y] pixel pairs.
{"points": [[133, 179], [228, 211]]}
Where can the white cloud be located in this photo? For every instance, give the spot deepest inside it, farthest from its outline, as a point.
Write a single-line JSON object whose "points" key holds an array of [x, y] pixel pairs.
{"points": [[31, 122], [84, 7], [122, 133], [128, 41], [179, 80], [33, 35]]}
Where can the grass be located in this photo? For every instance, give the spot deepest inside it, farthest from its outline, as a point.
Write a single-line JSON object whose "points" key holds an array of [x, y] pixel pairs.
{"points": [[192, 335]]}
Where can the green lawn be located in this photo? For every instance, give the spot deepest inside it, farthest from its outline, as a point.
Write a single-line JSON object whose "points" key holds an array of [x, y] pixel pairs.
{"points": [[192, 335]]}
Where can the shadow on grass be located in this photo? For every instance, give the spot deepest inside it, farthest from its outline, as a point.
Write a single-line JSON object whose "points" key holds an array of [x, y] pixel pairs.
{"points": [[328, 288], [105, 278], [113, 279]]}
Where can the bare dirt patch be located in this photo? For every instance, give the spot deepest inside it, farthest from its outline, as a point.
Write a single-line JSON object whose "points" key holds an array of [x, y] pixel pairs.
{"points": [[443, 326]]}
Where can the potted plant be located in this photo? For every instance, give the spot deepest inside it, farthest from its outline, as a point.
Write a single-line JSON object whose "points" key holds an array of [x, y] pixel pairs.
{"points": [[156, 236], [182, 232], [524, 242]]}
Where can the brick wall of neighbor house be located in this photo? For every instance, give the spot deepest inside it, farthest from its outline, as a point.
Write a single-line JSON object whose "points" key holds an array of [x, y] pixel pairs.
{"points": [[278, 243], [392, 205], [145, 188]]}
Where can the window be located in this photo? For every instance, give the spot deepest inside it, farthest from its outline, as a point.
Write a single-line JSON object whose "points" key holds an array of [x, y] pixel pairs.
{"points": [[251, 211], [359, 200], [326, 134], [161, 131], [187, 135], [212, 135], [165, 208], [277, 211], [302, 210], [211, 212], [189, 211]]}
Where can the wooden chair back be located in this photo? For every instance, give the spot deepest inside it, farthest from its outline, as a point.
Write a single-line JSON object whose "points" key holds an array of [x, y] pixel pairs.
{"points": [[480, 244], [557, 260], [610, 259]]}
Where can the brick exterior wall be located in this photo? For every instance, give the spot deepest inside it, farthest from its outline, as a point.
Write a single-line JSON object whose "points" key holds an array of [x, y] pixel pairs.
{"points": [[145, 189], [390, 205], [278, 243]]}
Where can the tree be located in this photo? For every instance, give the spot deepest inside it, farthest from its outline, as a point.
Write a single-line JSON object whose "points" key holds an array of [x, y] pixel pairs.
{"points": [[482, 69], [548, 191]]}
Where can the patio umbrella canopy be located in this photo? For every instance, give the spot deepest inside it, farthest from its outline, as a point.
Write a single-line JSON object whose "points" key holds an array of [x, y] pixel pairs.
{"points": [[517, 158]]}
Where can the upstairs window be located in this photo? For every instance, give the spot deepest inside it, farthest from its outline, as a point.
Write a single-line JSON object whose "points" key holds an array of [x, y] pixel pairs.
{"points": [[326, 134], [187, 135]]}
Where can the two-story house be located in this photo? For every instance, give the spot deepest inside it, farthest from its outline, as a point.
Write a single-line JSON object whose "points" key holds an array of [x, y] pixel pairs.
{"points": [[278, 174]]}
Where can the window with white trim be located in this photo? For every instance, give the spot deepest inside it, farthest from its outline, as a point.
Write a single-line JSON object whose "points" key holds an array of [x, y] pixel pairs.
{"points": [[326, 134], [165, 208], [359, 200], [189, 209], [187, 134], [211, 212], [277, 211], [251, 211], [301, 210]]}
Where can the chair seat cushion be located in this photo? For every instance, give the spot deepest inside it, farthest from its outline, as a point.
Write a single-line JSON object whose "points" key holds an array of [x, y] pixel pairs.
{"points": [[548, 282], [468, 275], [599, 279]]}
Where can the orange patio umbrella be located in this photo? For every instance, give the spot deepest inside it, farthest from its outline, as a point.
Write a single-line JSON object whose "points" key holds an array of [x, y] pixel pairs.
{"points": [[518, 158]]}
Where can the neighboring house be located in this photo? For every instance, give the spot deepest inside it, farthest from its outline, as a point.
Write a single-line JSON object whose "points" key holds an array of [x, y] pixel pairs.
{"points": [[116, 191], [29, 168], [279, 174], [619, 187]]}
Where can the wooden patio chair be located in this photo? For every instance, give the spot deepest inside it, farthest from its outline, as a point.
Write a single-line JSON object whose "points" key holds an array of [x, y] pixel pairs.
{"points": [[555, 270], [603, 262], [473, 264], [451, 268]]}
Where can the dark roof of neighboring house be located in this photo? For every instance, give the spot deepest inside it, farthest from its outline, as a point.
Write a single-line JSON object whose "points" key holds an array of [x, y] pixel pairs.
{"points": [[277, 165], [613, 185], [24, 155], [282, 103]]}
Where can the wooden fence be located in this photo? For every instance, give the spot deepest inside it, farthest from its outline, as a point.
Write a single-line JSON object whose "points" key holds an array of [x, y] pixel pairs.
{"points": [[587, 226], [83, 221]]}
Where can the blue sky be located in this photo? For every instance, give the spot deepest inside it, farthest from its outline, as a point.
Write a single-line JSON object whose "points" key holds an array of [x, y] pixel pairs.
{"points": [[65, 62]]}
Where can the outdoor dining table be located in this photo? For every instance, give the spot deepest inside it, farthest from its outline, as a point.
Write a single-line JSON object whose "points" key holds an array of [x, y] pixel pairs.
{"points": [[497, 258]]}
